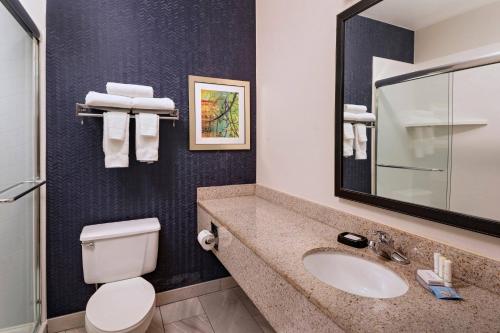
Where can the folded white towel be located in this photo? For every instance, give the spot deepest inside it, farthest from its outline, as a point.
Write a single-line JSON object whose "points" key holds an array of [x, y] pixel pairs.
{"points": [[141, 103], [117, 123], [360, 141], [146, 144], [355, 108], [129, 90], [366, 117], [348, 116], [97, 99], [115, 151], [348, 140]]}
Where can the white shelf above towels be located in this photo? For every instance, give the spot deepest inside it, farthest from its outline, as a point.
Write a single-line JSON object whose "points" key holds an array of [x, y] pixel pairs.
{"points": [[458, 122]]}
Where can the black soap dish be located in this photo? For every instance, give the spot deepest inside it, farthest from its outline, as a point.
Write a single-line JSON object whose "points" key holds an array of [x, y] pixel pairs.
{"points": [[354, 240]]}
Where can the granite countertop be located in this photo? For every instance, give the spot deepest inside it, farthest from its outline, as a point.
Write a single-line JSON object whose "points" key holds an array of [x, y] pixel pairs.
{"points": [[281, 237]]}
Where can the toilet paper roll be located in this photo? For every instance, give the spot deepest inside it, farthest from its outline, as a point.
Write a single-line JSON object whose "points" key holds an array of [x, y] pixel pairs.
{"points": [[205, 236]]}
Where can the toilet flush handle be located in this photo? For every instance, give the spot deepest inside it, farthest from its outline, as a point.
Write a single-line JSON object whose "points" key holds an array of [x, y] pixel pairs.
{"points": [[88, 244]]}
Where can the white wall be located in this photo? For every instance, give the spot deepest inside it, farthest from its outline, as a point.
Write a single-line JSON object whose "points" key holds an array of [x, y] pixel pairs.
{"points": [[475, 180], [295, 123], [470, 30]]}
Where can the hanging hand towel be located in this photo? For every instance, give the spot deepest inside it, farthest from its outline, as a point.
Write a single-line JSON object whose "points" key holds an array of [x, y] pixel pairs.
{"points": [[104, 100], [129, 90], [117, 123], [360, 141], [147, 137], [115, 151], [153, 104], [348, 140], [149, 124]]}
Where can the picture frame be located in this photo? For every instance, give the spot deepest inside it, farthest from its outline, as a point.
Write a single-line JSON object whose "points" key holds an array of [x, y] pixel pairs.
{"points": [[219, 114]]}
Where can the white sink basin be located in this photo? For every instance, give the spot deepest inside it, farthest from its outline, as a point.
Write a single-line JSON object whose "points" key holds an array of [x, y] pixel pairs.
{"points": [[355, 275]]}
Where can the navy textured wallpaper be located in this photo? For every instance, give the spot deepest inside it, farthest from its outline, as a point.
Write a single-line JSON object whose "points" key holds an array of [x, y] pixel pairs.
{"points": [[366, 38], [158, 43]]}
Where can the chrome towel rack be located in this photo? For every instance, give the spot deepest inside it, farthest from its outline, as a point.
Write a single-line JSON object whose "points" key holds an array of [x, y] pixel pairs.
{"points": [[83, 110], [369, 124]]}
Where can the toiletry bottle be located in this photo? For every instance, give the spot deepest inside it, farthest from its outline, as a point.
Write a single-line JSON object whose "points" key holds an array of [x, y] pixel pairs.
{"points": [[436, 262], [441, 266], [447, 273]]}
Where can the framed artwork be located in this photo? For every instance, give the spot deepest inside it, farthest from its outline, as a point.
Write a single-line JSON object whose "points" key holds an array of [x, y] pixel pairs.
{"points": [[219, 114]]}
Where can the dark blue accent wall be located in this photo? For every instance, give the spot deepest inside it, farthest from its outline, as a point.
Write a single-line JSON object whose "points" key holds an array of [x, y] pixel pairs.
{"points": [[158, 43], [364, 39]]}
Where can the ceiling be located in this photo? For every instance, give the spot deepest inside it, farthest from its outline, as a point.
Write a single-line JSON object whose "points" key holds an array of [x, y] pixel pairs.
{"points": [[418, 14]]}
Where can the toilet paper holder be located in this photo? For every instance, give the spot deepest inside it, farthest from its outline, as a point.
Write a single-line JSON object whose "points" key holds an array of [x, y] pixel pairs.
{"points": [[215, 231]]}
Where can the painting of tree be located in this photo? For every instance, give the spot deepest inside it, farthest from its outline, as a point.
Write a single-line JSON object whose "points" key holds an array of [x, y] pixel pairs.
{"points": [[219, 114]]}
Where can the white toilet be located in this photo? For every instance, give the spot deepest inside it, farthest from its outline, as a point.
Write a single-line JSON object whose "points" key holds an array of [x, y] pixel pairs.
{"points": [[117, 254]]}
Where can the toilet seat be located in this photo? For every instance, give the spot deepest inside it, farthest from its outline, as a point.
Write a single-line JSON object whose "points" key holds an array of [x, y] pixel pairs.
{"points": [[120, 306]]}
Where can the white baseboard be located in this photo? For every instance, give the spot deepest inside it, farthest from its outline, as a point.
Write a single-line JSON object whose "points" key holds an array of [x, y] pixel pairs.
{"points": [[43, 327], [77, 319], [66, 322], [195, 290]]}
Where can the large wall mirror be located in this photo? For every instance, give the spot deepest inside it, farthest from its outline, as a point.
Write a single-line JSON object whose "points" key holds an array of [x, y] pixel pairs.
{"points": [[418, 109]]}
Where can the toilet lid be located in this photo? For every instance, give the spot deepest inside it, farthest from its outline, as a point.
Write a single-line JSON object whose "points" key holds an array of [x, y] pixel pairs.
{"points": [[120, 305]]}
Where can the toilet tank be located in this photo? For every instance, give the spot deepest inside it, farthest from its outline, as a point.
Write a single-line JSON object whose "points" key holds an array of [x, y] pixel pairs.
{"points": [[119, 250]]}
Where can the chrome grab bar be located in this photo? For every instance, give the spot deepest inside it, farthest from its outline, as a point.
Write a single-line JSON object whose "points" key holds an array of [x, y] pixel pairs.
{"points": [[409, 168], [9, 199]]}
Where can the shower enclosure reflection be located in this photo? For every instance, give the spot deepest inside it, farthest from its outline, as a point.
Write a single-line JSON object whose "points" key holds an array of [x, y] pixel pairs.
{"points": [[413, 141], [436, 140], [419, 110]]}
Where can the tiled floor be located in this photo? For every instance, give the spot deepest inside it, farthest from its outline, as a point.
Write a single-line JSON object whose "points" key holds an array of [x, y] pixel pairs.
{"points": [[226, 311]]}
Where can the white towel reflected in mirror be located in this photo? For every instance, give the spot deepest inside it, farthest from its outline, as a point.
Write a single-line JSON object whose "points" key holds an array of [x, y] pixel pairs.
{"points": [[360, 141], [348, 140]]}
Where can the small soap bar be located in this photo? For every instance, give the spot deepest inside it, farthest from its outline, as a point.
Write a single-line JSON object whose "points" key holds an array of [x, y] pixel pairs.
{"points": [[354, 240]]}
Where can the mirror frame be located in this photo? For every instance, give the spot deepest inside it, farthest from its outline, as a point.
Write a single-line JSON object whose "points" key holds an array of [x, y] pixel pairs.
{"points": [[459, 220]]}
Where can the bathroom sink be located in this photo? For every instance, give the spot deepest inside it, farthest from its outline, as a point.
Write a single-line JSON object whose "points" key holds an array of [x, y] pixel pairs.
{"points": [[355, 275]]}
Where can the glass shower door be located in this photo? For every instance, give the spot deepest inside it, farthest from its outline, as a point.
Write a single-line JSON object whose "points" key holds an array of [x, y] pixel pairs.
{"points": [[413, 141], [19, 202]]}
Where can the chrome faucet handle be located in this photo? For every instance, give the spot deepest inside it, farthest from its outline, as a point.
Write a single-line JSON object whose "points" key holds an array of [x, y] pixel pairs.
{"points": [[383, 245], [400, 258], [383, 237]]}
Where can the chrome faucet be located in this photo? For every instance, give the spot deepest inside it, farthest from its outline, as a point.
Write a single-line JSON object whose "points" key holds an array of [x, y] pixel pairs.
{"points": [[383, 245]]}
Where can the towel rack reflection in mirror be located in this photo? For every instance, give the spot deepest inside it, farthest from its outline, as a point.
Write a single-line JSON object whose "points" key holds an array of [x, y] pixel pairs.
{"points": [[369, 124]]}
